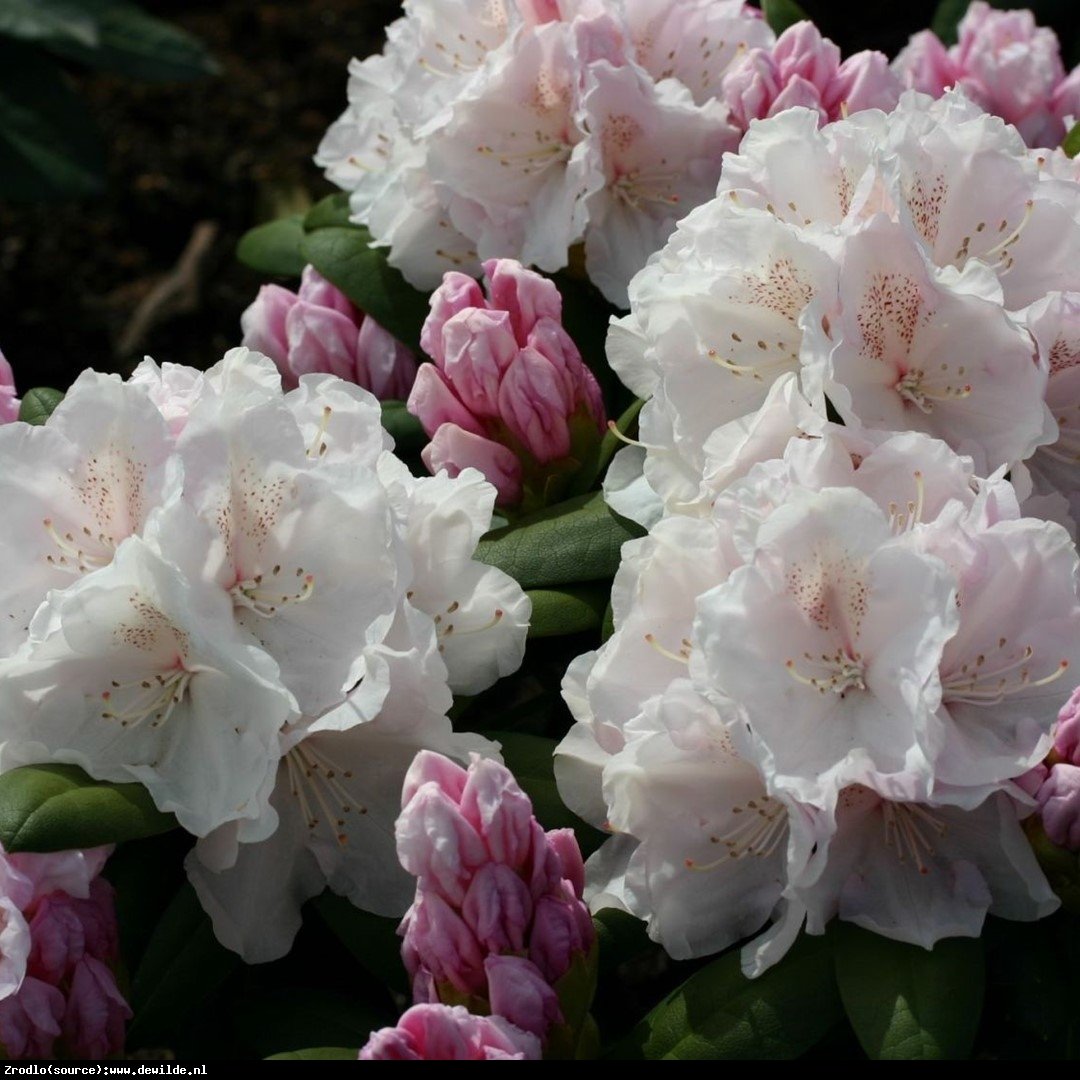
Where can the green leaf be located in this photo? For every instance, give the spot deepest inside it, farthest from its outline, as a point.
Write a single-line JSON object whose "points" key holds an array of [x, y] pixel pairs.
{"points": [[947, 18], [274, 248], [372, 939], [607, 627], [780, 14], [408, 433], [49, 146], [531, 759], [1071, 143], [344, 256], [58, 807], [39, 404], [132, 43], [317, 1053], [720, 1015], [556, 612], [183, 964], [907, 1002], [333, 210], [621, 937], [577, 540], [46, 21]]}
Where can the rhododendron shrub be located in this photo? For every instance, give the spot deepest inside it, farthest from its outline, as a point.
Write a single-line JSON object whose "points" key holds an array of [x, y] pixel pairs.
{"points": [[620, 598]]}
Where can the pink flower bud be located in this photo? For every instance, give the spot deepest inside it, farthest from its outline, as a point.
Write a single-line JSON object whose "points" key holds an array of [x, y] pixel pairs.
{"points": [[520, 993], [320, 331], [9, 403], [59, 941], [543, 871], [499, 811], [96, 1012], [453, 449], [561, 928], [564, 844], [801, 52], [1059, 804], [429, 767], [68, 871], [263, 324], [450, 1033], [30, 1020], [1067, 740], [863, 81], [925, 65], [437, 845], [510, 366], [526, 296], [498, 909], [438, 941]]}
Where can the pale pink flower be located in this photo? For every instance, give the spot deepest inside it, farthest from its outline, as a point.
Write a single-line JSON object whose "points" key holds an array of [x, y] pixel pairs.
{"points": [[1067, 739], [96, 1012], [508, 392], [804, 69], [1005, 63], [9, 403], [1059, 805], [318, 330], [450, 1033]]}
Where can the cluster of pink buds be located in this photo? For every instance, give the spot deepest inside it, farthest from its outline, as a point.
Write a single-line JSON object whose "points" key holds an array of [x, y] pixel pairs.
{"points": [[58, 943], [320, 331], [9, 403], [450, 1033], [1006, 64], [508, 393], [803, 68], [498, 920]]}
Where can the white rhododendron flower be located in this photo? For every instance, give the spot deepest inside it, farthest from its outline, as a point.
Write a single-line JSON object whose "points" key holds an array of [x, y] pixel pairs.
{"points": [[247, 603], [906, 250], [861, 648], [513, 129]]}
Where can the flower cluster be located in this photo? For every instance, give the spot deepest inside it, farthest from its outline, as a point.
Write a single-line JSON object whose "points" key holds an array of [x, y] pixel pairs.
{"points": [[1004, 62], [520, 129], [235, 596], [59, 941], [913, 268], [498, 920], [820, 699], [319, 330], [508, 393]]}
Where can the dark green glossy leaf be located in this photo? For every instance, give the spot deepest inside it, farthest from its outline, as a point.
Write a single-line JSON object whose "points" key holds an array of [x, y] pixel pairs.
{"points": [[317, 1053], [372, 939], [621, 937], [907, 1002], [333, 210], [409, 437], [274, 248], [48, 20], [780, 14], [131, 42], [531, 759], [1071, 143], [58, 807], [577, 540], [556, 612], [344, 256], [183, 964], [38, 404], [49, 146], [720, 1015]]}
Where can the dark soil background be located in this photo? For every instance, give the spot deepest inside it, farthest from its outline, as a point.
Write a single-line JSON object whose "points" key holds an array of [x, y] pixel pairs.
{"points": [[232, 151]]}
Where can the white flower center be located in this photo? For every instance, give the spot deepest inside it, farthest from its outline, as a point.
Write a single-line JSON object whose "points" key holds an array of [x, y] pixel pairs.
{"points": [[759, 829], [838, 673], [317, 785], [267, 594], [983, 682], [153, 698], [907, 831], [922, 390], [74, 555], [906, 520], [445, 627]]}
